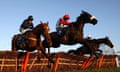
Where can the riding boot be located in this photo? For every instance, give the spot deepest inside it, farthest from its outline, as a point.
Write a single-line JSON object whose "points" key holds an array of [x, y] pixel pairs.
{"points": [[60, 32]]}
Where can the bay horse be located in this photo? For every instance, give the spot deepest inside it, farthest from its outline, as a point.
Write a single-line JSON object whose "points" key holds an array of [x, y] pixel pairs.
{"points": [[92, 47], [32, 39], [74, 33]]}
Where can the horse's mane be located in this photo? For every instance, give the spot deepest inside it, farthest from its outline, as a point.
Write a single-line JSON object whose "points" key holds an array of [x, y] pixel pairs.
{"points": [[103, 39], [82, 15], [39, 26]]}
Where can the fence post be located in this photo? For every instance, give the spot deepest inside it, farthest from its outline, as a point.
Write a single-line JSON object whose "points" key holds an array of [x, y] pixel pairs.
{"points": [[2, 64], [100, 61], [25, 61]]}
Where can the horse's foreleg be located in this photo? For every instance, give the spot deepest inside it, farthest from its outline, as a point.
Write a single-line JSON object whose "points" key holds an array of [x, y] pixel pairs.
{"points": [[42, 49], [47, 56], [38, 55]]}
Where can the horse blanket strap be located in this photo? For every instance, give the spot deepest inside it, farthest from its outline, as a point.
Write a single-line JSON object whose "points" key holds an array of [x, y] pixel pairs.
{"points": [[32, 39]]}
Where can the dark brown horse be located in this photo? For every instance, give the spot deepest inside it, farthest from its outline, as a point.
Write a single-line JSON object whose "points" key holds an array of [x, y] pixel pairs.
{"points": [[74, 33], [92, 47], [31, 40]]}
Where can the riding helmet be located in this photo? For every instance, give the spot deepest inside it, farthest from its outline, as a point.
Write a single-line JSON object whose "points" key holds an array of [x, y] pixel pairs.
{"points": [[66, 16]]}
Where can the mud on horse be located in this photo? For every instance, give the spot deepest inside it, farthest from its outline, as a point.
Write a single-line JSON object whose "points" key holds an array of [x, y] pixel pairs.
{"points": [[92, 47], [74, 33], [32, 40]]}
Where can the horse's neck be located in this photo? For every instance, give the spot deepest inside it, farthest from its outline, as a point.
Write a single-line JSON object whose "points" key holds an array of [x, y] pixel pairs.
{"points": [[37, 32], [101, 41], [79, 26]]}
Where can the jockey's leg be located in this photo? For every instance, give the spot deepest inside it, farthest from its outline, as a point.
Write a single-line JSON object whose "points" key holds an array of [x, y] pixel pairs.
{"points": [[60, 32], [19, 40]]}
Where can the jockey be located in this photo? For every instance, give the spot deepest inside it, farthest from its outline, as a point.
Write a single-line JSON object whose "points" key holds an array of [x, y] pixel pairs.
{"points": [[27, 25], [62, 23]]}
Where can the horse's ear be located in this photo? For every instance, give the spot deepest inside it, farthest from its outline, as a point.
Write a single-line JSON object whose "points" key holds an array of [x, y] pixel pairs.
{"points": [[82, 11], [107, 37], [47, 22], [41, 22]]}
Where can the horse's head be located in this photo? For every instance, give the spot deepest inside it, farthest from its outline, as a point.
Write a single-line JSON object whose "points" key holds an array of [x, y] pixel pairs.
{"points": [[108, 42], [85, 17], [44, 29]]}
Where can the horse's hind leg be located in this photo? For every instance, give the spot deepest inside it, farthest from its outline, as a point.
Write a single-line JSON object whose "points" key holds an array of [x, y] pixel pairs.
{"points": [[92, 53], [96, 55], [100, 51]]}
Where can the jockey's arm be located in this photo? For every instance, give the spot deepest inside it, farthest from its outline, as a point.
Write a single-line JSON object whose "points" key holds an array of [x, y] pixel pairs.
{"points": [[64, 22]]}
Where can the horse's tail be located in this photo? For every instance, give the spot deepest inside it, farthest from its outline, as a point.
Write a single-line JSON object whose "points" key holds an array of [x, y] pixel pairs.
{"points": [[14, 43]]}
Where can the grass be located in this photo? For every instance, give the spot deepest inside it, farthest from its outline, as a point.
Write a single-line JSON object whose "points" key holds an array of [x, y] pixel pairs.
{"points": [[96, 70]]}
